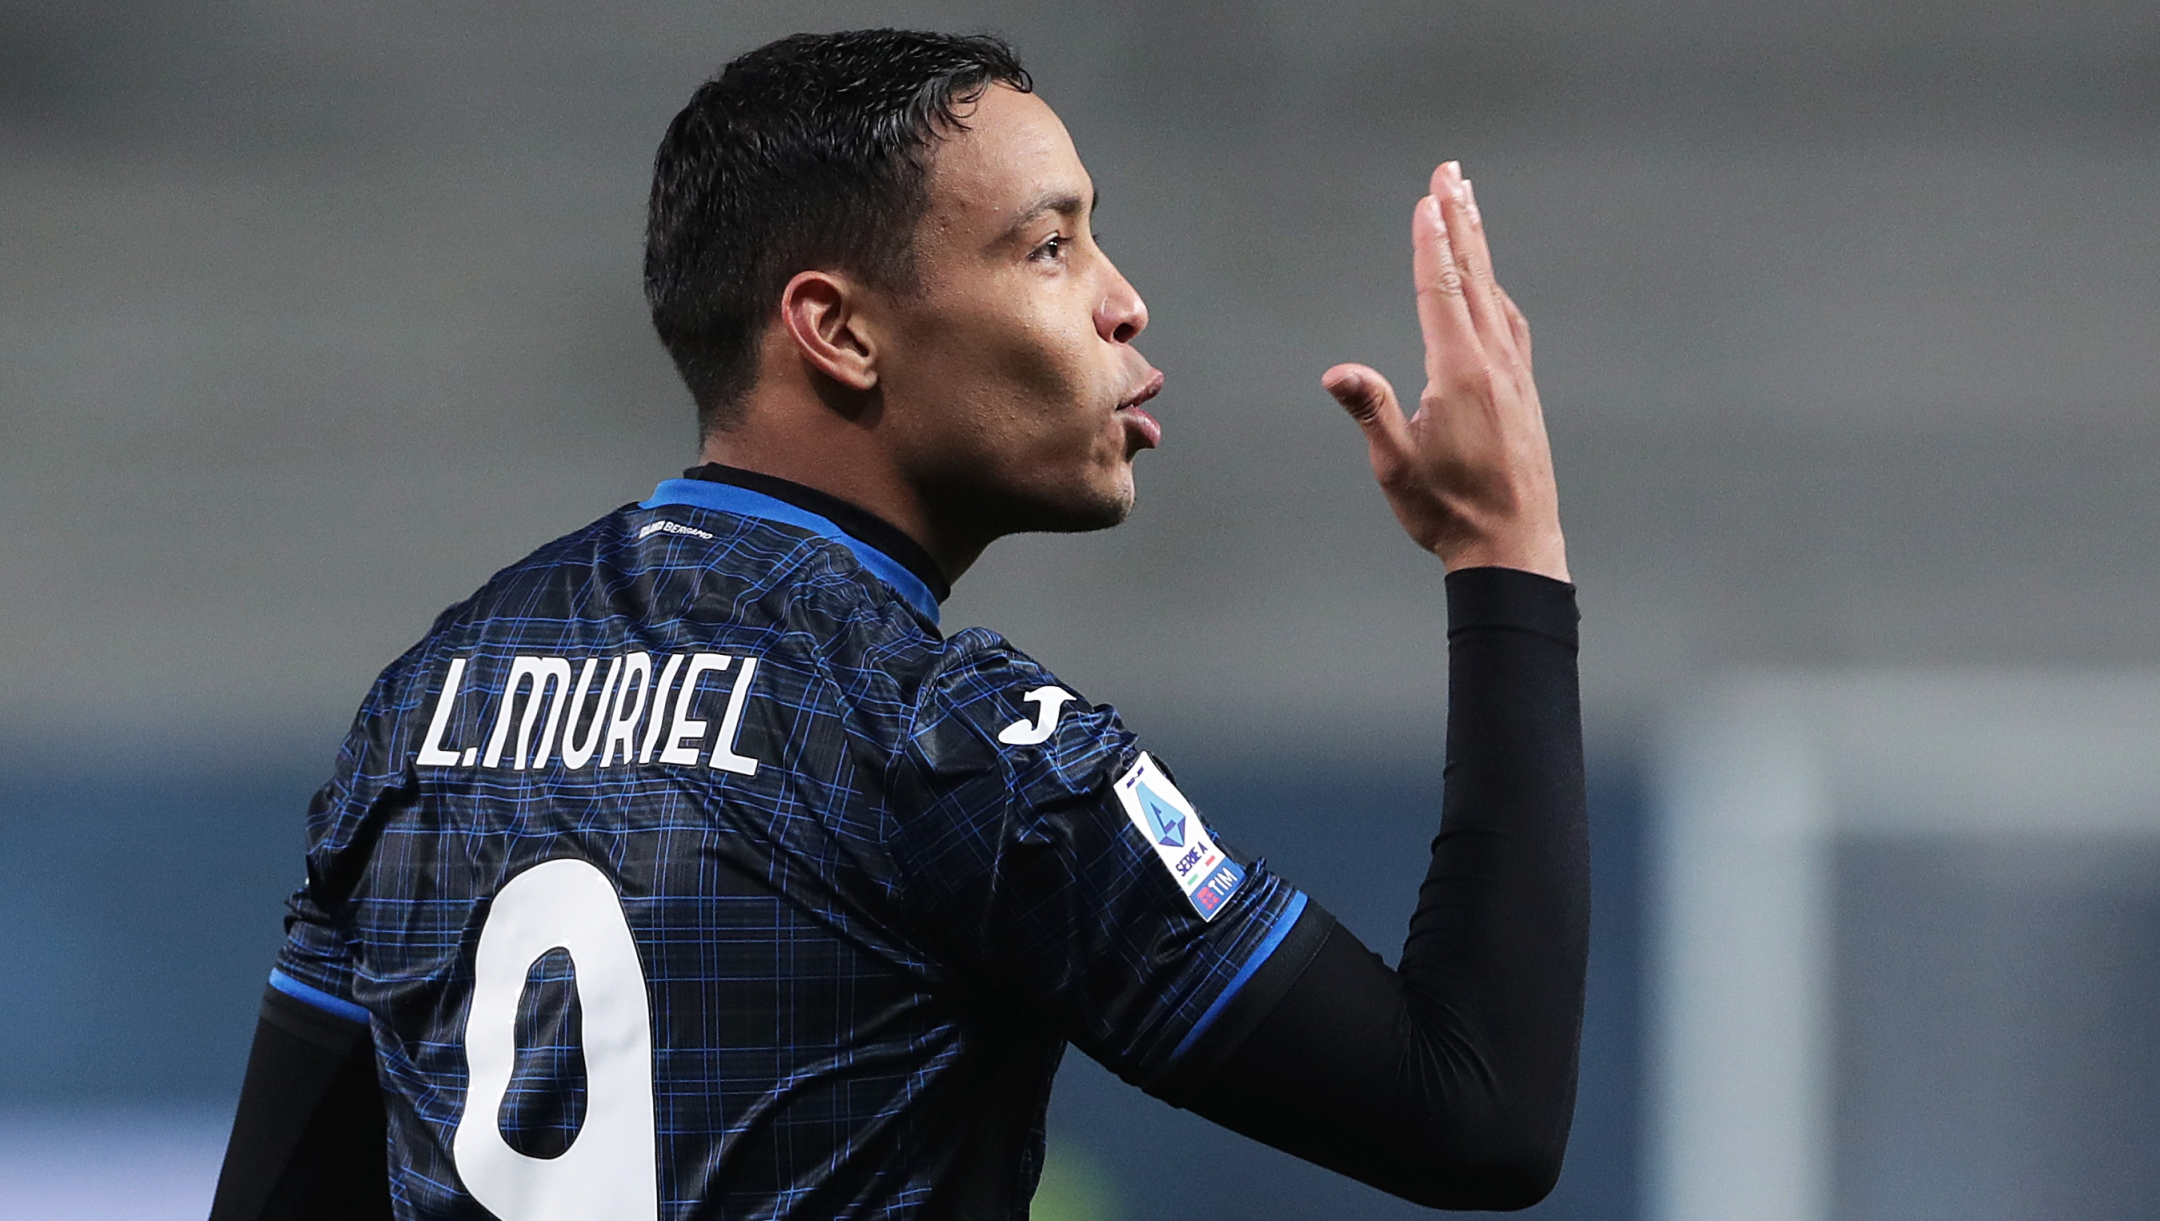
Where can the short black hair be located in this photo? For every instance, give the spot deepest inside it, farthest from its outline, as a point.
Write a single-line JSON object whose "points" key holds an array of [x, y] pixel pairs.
{"points": [[808, 152]]}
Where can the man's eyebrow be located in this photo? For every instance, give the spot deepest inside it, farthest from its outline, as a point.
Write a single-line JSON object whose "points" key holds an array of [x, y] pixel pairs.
{"points": [[1065, 202]]}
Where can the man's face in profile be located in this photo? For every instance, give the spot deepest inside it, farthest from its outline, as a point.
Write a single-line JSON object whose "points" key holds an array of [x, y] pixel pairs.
{"points": [[1014, 358]]}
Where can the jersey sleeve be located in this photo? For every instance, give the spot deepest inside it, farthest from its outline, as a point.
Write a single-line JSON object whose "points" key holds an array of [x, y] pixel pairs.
{"points": [[1059, 869], [316, 963]]}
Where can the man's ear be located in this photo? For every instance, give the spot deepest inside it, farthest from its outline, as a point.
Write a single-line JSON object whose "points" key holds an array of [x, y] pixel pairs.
{"points": [[823, 314]]}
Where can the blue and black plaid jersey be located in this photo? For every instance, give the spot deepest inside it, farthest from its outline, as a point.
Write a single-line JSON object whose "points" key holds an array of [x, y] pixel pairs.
{"points": [[687, 857]]}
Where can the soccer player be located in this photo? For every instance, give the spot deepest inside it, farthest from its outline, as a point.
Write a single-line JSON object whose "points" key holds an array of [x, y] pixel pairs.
{"points": [[689, 869]]}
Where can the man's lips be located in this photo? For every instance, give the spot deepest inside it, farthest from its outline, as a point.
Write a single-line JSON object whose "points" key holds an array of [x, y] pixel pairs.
{"points": [[1139, 421]]}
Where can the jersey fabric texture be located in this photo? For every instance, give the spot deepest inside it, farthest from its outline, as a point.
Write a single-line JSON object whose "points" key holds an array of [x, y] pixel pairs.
{"points": [[874, 887]]}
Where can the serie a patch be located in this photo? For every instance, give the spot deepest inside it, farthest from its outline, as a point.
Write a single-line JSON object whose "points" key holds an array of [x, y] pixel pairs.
{"points": [[1173, 828]]}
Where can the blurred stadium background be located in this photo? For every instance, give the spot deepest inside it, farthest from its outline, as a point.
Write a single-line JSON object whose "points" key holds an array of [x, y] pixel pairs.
{"points": [[1848, 317]]}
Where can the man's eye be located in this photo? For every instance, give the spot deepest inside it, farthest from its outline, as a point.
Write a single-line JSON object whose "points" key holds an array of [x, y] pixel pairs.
{"points": [[1052, 249]]}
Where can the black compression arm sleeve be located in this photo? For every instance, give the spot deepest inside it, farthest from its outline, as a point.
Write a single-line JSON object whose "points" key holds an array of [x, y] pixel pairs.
{"points": [[1451, 1081], [309, 1138]]}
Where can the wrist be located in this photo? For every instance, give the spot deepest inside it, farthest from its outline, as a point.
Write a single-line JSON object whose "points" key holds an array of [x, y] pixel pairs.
{"points": [[1544, 553]]}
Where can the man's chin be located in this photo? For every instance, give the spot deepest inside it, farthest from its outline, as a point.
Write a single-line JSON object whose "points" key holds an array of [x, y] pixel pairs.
{"points": [[1077, 512], [1101, 518], [1079, 517], [988, 512]]}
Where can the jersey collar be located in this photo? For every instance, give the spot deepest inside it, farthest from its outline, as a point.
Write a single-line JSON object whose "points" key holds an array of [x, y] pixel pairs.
{"points": [[880, 546]]}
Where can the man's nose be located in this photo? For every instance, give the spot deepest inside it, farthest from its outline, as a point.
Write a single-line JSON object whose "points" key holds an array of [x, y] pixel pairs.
{"points": [[1121, 315]]}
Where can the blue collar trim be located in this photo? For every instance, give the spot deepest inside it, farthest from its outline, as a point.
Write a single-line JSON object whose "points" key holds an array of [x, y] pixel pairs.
{"points": [[727, 498]]}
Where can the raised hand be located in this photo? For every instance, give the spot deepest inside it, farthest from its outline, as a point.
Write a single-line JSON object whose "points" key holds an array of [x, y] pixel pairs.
{"points": [[1470, 475]]}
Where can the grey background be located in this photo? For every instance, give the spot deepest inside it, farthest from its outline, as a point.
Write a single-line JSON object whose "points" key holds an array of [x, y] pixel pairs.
{"points": [[1848, 324], [1849, 317], [1999, 1028]]}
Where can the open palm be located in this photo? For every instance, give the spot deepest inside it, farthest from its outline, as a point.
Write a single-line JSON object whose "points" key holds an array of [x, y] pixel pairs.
{"points": [[1470, 474]]}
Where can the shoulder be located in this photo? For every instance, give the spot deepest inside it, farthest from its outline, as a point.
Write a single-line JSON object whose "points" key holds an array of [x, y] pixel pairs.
{"points": [[828, 637], [978, 678], [639, 570], [986, 708]]}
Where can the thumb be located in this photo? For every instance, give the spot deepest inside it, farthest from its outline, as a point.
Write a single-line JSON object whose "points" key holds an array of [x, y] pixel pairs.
{"points": [[1371, 402]]}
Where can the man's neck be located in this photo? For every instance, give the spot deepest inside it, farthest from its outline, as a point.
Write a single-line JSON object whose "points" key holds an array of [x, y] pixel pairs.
{"points": [[840, 459]]}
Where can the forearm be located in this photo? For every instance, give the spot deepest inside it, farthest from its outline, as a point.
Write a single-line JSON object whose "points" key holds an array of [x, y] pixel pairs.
{"points": [[1451, 1081], [1494, 963], [308, 1138]]}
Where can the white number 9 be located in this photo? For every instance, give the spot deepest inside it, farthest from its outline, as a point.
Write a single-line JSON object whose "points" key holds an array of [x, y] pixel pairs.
{"points": [[609, 1170]]}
